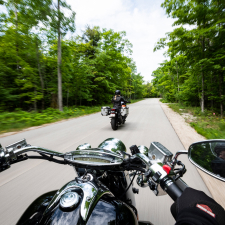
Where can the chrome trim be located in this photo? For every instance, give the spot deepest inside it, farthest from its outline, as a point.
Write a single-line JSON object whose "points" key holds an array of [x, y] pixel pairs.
{"points": [[114, 145], [22, 143], [13, 153], [142, 181], [69, 200], [177, 154], [92, 194], [112, 157], [159, 153], [209, 140], [83, 146], [143, 149], [39, 150]]}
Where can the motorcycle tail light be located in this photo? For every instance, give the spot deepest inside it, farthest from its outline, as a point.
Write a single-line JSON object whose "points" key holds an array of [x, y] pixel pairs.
{"points": [[113, 110]]}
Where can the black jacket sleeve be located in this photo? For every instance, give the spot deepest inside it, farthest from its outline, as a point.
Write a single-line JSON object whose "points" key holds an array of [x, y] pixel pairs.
{"points": [[194, 216]]}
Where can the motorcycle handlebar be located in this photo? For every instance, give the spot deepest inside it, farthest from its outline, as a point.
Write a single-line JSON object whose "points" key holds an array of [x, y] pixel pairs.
{"points": [[171, 188], [11, 156]]}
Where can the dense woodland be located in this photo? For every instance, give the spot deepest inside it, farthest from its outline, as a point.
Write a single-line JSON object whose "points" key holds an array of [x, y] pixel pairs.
{"points": [[44, 63], [195, 49]]}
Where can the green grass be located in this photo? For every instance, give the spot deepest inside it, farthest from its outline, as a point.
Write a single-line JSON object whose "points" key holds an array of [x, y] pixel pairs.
{"points": [[18, 120], [208, 124]]}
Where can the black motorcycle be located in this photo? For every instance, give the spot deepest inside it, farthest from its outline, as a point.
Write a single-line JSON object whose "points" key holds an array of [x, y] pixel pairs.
{"points": [[102, 192], [118, 115]]}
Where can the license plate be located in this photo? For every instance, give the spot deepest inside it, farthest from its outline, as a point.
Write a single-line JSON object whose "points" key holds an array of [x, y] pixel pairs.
{"points": [[112, 115]]}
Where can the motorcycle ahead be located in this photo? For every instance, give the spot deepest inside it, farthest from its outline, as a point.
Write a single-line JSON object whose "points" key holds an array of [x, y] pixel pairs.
{"points": [[118, 115], [102, 192]]}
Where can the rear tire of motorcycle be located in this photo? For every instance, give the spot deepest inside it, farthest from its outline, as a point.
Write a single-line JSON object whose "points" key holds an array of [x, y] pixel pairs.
{"points": [[124, 119], [114, 124]]}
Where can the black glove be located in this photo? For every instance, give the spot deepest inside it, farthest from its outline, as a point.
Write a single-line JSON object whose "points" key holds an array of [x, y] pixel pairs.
{"points": [[197, 206]]}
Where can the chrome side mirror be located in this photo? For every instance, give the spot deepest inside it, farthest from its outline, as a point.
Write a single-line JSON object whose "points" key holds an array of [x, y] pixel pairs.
{"points": [[209, 156]]}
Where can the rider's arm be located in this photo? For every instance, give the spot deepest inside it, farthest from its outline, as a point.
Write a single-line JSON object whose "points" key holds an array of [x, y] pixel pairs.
{"points": [[194, 216], [196, 208]]}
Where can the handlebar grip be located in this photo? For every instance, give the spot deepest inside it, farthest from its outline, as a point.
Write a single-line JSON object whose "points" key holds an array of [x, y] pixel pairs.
{"points": [[171, 188]]}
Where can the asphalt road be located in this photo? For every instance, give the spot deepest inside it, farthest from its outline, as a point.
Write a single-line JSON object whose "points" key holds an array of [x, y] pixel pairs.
{"points": [[25, 181]]}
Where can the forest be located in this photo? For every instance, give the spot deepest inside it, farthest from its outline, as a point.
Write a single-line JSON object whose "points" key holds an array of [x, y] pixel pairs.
{"points": [[44, 63], [193, 73]]}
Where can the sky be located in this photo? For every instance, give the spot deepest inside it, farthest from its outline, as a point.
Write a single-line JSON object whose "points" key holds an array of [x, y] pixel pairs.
{"points": [[144, 21]]}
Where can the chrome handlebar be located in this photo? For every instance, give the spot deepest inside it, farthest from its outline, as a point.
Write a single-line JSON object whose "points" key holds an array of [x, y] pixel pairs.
{"points": [[39, 150], [13, 152]]}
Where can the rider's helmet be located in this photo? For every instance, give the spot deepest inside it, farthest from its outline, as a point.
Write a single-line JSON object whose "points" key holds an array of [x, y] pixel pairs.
{"points": [[117, 92], [218, 164], [219, 148]]}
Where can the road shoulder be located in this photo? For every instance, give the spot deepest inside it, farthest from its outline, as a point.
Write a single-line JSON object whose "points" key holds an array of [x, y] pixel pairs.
{"points": [[187, 136]]}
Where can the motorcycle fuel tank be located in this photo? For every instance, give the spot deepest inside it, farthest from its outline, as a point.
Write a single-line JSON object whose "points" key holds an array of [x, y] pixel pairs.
{"points": [[100, 208]]}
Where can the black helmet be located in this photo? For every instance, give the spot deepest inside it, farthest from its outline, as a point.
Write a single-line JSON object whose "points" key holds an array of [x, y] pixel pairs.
{"points": [[117, 92], [219, 147]]}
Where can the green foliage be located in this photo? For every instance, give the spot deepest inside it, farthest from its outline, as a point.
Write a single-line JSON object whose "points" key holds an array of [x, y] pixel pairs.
{"points": [[19, 119], [194, 71], [207, 123], [93, 66], [202, 155]]}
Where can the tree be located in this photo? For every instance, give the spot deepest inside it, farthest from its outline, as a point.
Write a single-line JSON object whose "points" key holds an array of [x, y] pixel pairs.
{"points": [[196, 52], [60, 23]]}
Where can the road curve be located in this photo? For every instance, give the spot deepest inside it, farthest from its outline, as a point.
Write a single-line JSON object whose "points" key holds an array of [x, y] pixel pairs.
{"points": [[25, 181]]}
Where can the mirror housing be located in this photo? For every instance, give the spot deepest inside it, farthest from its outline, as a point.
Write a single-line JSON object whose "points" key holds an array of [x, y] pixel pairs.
{"points": [[209, 156]]}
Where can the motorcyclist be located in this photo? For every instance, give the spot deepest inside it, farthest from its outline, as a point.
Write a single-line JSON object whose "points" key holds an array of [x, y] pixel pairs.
{"points": [[218, 164], [117, 99], [196, 208]]}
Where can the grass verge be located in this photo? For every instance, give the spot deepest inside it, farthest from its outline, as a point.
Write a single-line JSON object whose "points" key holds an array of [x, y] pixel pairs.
{"points": [[208, 124], [18, 120]]}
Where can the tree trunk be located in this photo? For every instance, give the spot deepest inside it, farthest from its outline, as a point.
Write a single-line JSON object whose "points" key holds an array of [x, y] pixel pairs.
{"points": [[203, 94], [67, 96], [40, 75], [60, 99], [17, 47], [42, 87], [221, 95], [35, 102], [211, 91], [177, 78]]}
